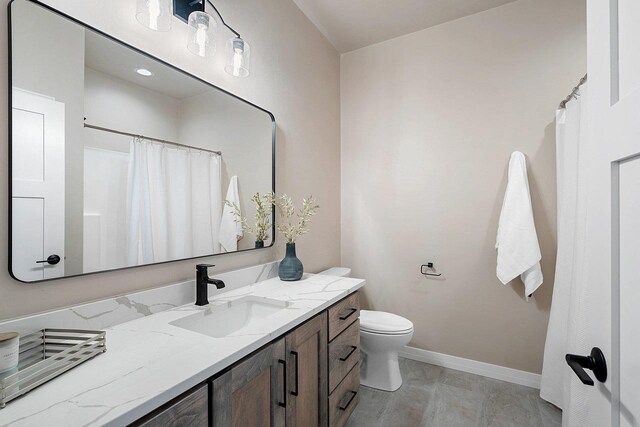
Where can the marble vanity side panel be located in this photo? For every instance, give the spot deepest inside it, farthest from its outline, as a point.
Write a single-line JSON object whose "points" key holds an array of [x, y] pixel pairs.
{"points": [[113, 311]]}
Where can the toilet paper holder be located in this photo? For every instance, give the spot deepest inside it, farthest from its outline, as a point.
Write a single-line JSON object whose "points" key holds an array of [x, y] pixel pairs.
{"points": [[424, 268]]}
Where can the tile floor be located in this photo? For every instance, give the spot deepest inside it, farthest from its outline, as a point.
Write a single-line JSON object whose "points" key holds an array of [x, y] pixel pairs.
{"points": [[432, 396]]}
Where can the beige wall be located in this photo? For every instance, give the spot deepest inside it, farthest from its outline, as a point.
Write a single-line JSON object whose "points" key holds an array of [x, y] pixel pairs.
{"points": [[295, 75], [428, 123]]}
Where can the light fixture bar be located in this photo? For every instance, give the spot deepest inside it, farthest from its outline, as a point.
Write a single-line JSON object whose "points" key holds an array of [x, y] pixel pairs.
{"points": [[183, 8]]}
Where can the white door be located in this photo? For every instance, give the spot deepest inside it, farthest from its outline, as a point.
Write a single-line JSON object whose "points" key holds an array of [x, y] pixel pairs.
{"points": [[38, 187], [612, 267]]}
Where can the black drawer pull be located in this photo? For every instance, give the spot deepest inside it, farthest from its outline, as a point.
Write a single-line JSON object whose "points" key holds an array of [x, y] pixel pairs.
{"points": [[284, 381], [353, 396], [295, 393], [346, 316], [344, 358]]}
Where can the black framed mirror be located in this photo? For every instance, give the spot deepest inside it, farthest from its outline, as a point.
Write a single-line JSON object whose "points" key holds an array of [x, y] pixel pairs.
{"points": [[118, 159]]}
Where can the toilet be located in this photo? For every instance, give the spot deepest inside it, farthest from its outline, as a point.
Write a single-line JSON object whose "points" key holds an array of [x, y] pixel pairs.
{"points": [[382, 335]]}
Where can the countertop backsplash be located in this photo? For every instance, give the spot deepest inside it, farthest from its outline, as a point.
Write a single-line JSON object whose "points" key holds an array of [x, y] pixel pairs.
{"points": [[113, 311]]}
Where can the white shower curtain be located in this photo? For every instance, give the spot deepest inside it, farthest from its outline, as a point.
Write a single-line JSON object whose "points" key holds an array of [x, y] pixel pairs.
{"points": [[174, 203], [567, 317]]}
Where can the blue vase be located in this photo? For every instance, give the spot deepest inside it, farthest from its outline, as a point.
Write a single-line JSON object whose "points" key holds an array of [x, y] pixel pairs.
{"points": [[290, 267]]}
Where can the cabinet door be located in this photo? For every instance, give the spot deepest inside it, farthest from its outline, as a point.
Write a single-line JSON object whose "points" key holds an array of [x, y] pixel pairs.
{"points": [[307, 374], [252, 394]]}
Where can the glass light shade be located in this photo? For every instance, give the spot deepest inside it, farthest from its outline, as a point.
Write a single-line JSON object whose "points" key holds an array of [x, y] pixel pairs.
{"points": [[238, 54], [202, 34], [155, 14]]}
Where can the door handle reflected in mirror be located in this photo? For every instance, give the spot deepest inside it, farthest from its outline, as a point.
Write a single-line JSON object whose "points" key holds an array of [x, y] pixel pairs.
{"points": [[595, 362], [52, 260]]}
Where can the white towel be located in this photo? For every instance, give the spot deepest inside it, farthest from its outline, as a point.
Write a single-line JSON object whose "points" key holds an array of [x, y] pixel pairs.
{"points": [[517, 242], [230, 229]]}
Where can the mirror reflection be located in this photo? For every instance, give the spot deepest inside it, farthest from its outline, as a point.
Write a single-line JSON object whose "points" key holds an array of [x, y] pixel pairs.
{"points": [[119, 160]]}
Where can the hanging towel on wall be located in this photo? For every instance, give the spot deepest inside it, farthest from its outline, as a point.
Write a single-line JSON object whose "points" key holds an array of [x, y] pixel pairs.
{"points": [[230, 229], [517, 242]]}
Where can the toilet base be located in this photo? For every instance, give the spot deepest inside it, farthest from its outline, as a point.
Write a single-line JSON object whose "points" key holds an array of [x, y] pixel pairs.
{"points": [[381, 371]]}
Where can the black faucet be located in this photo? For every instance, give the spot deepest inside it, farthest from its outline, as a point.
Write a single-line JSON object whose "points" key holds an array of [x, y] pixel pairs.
{"points": [[202, 283]]}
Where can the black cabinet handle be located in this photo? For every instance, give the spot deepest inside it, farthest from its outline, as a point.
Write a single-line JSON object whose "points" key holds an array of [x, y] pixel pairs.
{"points": [[284, 381], [348, 355], [52, 260], [353, 396], [595, 362], [295, 354], [346, 316]]}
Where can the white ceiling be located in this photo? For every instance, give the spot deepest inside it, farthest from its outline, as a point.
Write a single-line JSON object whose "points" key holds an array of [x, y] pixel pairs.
{"points": [[115, 59], [352, 24]]}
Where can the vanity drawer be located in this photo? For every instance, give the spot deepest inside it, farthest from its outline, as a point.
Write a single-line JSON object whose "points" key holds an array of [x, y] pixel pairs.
{"points": [[344, 354], [345, 398], [343, 314], [190, 409]]}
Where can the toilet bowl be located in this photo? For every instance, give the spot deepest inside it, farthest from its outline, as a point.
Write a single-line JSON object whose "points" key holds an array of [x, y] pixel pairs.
{"points": [[382, 335]]}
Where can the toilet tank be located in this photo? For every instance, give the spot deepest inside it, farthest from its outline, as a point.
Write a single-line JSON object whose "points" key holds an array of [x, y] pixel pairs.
{"points": [[337, 271]]}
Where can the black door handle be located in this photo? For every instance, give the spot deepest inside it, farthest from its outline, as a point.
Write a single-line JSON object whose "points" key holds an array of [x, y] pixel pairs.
{"points": [[595, 362], [52, 259]]}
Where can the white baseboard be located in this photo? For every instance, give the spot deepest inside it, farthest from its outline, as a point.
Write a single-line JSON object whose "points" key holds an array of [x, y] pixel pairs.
{"points": [[472, 366]]}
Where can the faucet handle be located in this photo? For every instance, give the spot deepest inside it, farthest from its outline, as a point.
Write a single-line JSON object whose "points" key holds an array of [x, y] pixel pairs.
{"points": [[204, 266]]}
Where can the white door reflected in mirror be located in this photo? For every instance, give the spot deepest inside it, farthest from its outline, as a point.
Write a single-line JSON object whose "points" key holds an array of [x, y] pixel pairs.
{"points": [[37, 186]]}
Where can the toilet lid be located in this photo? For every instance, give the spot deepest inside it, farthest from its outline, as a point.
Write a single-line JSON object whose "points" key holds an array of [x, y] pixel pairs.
{"points": [[382, 322]]}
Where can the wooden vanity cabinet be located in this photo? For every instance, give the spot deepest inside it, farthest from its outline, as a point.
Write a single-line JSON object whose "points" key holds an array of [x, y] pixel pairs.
{"points": [[252, 393], [285, 384], [344, 359], [310, 377], [307, 379]]}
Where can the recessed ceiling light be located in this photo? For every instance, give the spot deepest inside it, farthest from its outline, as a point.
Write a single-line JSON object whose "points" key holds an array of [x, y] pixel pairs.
{"points": [[144, 72]]}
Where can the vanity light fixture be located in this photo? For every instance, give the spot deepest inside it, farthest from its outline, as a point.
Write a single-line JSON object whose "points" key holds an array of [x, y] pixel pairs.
{"points": [[155, 14], [144, 72], [238, 56], [202, 34], [202, 30]]}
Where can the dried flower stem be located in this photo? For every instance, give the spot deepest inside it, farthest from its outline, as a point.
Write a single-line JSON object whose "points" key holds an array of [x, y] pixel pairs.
{"points": [[287, 211], [262, 217]]}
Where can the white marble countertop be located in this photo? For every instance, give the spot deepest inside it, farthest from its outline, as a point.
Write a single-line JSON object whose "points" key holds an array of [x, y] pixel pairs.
{"points": [[149, 361]]}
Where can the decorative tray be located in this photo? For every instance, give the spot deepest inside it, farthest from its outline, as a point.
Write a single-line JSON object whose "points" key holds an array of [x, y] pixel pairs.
{"points": [[47, 353]]}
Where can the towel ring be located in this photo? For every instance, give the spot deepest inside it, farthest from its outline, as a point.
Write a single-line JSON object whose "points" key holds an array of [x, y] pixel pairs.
{"points": [[429, 266]]}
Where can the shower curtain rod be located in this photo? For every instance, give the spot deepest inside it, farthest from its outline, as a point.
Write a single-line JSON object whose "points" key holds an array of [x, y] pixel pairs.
{"points": [[219, 153], [573, 93]]}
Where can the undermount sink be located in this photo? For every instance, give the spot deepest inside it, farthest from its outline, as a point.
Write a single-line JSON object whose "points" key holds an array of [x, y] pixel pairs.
{"points": [[244, 315]]}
